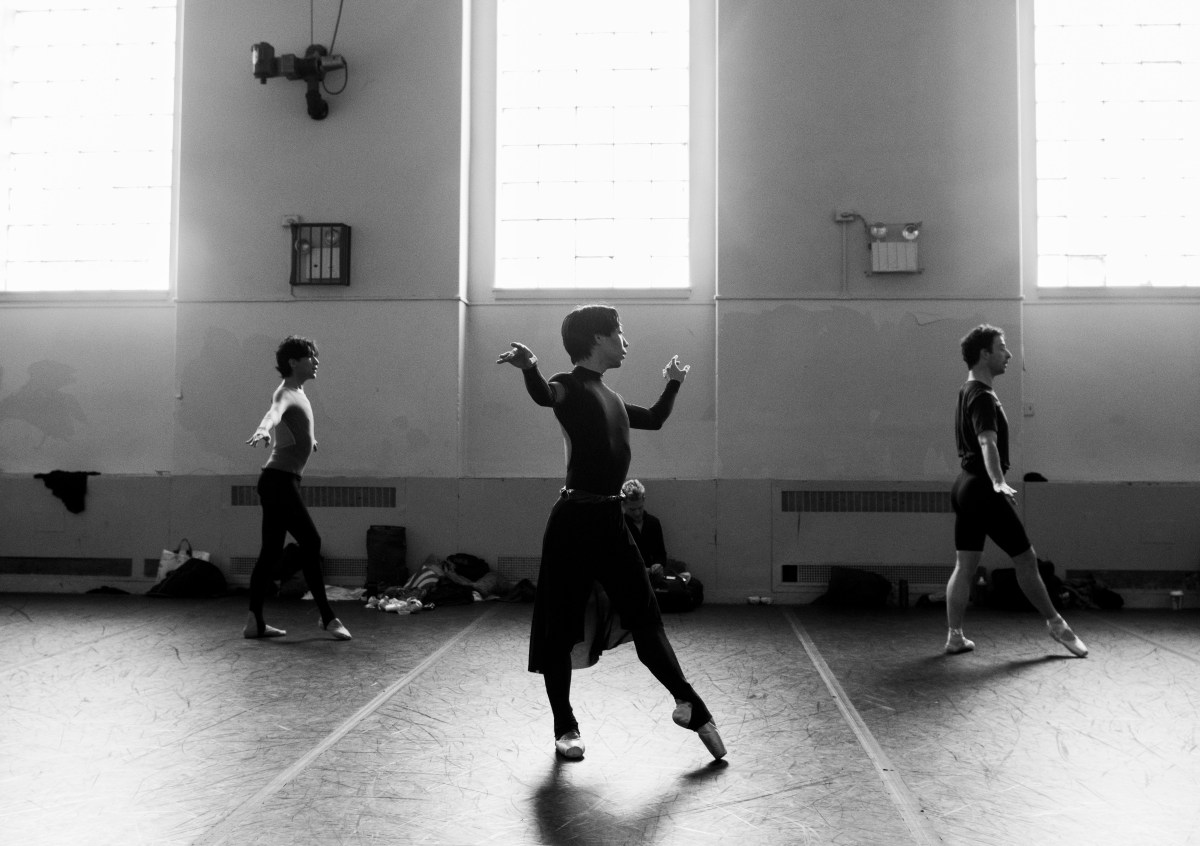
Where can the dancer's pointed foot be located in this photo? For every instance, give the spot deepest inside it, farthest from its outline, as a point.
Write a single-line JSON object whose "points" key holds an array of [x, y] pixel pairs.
{"points": [[956, 642], [335, 628], [570, 745], [252, 629], [712, 739], [1060, 631], [682, 717]]}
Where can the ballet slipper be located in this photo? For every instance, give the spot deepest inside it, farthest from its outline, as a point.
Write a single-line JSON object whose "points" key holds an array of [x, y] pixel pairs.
{"points": [[251, 631]]}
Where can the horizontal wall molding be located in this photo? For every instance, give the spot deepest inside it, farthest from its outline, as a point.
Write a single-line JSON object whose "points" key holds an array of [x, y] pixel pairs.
{"points": [[325, 496], [866, 502], [63, 566]]}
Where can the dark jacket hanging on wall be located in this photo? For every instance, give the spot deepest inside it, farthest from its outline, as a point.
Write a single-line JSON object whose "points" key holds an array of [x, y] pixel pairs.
{"points": [[68, 485]]}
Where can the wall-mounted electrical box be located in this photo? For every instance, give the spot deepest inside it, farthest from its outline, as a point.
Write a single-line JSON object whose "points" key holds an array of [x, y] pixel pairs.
{"points": [[320, 254], [893, 257], [894, 247]]}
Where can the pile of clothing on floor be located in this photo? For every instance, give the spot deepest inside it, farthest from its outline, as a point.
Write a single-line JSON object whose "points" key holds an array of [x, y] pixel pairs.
{"points": [[459, 579]]}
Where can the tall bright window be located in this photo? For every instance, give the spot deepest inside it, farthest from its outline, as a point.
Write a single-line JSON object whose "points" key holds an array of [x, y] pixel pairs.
{"points": [[592, 144], [1118, 143], [87, 101]]}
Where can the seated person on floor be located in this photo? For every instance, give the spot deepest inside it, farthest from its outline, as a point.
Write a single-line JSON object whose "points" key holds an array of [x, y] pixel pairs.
{"points": [[648, 534]]}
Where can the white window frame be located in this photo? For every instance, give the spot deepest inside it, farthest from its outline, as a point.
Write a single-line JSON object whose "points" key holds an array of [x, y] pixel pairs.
{"points": [[480, 117], [1033, 291], [153, 296]]}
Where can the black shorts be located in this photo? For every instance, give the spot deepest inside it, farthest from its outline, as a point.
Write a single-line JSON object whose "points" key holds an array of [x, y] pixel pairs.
{"points": [[980, 512]]}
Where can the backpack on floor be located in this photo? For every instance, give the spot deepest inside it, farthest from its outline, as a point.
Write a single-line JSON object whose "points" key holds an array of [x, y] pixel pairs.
{"points": [[192, 578], [676, 593], [851, 588], [1004, 592]]}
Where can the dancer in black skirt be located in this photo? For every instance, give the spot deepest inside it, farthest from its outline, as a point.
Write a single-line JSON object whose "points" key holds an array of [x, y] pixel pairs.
{"points": [[586, 541]]}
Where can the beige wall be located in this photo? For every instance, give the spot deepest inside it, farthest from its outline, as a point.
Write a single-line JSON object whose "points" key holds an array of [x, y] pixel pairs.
{"points": [[898, 109]]}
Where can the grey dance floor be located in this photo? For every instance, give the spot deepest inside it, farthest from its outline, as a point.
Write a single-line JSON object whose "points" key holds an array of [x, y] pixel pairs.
{"points": [[128, 720]]}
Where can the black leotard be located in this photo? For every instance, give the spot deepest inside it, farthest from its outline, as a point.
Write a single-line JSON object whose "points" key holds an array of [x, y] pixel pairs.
{"points": [[596, 423]]}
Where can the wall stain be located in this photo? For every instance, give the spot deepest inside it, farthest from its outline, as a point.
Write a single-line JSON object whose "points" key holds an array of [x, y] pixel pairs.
{"points": [[843, 393], [43, 403]]}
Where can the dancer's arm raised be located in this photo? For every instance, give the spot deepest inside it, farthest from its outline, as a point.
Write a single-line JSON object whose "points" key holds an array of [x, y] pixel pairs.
{"points": [[542, 392]]}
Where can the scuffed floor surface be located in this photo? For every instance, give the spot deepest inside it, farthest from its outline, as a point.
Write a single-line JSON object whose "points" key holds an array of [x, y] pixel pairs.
{"points": [[131, 721]]}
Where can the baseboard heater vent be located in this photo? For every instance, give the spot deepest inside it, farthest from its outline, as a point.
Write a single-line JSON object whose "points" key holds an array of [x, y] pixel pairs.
{"points": [[517, 567], [57, 566], [346, 572], [326, 496], [873, 502], [916, 574]]}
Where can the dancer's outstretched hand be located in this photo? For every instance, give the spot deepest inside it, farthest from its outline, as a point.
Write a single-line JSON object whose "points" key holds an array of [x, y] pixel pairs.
{"points": [[519, 356], [675, 371]]}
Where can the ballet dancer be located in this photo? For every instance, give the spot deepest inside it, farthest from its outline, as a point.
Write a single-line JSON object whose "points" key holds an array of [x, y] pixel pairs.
{"points": [[290, 417], [984, 504], [586, 540]]}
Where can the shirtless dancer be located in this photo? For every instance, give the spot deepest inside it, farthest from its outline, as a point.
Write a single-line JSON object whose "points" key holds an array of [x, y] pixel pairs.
{"points": [[586, 540], [984, 504], [291, 418]]}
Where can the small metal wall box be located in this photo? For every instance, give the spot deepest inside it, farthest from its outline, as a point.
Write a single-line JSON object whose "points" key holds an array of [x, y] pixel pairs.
{"points": [[894, 247], [320, 254]]}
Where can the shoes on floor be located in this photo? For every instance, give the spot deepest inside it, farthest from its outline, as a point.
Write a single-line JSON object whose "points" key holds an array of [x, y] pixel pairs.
{"points": [[956, 642], [682, 716], [335, 628], [1060, 631], [570, 746], [251, 631]]}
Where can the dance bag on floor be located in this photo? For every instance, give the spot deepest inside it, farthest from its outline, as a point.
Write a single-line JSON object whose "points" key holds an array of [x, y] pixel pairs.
{"points": [[387, 553], [193, 578], [1005, 592], [677, 589], [852, 588]]}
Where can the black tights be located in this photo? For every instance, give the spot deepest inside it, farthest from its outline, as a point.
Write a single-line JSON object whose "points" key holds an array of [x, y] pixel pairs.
{"points": [[284, 512], [653, 650]]}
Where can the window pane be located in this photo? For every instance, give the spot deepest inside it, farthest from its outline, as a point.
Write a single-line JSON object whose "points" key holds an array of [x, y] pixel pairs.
{"points": [[1117, 87], [87, 99], [592, 144]]}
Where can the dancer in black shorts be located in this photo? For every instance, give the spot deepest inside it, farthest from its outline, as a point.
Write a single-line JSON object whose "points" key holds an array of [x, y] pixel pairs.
{"points": [[586, 541], [984, 504], [290, 417]]}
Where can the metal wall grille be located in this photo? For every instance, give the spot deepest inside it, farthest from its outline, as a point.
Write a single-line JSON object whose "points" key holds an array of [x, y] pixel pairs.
{"points": [[923, 574], [58, 566], [326, 496], [517, 567], [348, 572], [875, 502]]}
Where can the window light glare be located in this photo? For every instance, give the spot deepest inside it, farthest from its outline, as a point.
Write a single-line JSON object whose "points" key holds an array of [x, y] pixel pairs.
{"points": [[88, 99], [592, 144], [1118, 129]]}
